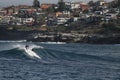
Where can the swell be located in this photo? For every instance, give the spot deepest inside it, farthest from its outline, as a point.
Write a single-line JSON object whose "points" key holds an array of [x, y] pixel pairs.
{"points": [[54, 55], [13, 54], [72, 56]]}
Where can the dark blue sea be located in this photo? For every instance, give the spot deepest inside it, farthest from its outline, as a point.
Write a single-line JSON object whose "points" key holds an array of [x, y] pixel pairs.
{"points": [[57, 61]]}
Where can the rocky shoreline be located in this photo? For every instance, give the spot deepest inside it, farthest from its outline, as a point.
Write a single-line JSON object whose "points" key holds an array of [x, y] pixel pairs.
{"points": [[80, 38], [38, 36]]}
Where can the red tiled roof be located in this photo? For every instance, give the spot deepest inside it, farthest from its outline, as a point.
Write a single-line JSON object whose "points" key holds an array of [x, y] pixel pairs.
{"points": [[84, 6], [45, 6]]}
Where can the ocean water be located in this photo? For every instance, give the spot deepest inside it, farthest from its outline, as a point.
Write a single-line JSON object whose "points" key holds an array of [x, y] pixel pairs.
{"points": [[48, 61]]}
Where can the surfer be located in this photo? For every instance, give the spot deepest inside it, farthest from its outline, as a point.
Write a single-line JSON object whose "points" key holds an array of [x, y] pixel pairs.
{"points": [[26, 46]]}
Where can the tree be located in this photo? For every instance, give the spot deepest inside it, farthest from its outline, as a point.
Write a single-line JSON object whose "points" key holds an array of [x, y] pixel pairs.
{"points": [[51, 9], [118, 5], [36, 4], [61, 5], [23, 14], [91, 3], [115, 4]]}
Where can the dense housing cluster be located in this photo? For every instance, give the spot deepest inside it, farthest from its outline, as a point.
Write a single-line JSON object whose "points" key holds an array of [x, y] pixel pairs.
{"points": [[62, 13]]}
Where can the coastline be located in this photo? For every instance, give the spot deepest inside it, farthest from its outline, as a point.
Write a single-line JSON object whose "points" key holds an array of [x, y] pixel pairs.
{"points": [[38, 36]]}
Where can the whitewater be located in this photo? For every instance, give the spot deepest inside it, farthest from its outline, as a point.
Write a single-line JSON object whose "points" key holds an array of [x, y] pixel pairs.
{"points": [[59, 61], [29, 52]]}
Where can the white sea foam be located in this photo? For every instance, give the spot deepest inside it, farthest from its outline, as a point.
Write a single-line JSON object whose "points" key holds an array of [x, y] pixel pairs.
{"points": [[29, 52], [32, 53], [53, 42], [7, 41]]}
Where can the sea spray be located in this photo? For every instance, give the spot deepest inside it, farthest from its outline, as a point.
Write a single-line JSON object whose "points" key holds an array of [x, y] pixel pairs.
{"points": [[30, 51], [21, 46]]}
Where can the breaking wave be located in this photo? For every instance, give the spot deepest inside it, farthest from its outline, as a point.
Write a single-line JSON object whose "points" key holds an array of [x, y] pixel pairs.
{"points": [[19, 52]]}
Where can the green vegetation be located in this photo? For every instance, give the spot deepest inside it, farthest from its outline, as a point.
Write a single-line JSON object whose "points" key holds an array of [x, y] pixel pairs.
{"points": [[36, 4], [23, 28], [104, 28], [61, 4]]}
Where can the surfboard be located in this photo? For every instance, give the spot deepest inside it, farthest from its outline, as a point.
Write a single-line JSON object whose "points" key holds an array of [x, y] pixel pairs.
{"points": [[32, 53]]}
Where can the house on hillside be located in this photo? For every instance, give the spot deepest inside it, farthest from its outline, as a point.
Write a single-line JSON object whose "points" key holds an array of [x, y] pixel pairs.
{"points": [[2, 12], [9, 10], [100, 3], [62, 19], [118, 17], [75, 5], [67, 6], [51, 20], [6, 19], [84, 6], [59, 18], [45, 7], [110, 17]]}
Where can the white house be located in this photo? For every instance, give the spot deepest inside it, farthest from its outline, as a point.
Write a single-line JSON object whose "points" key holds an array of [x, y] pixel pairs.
{"points": [[75, 5], [62, 20]]}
